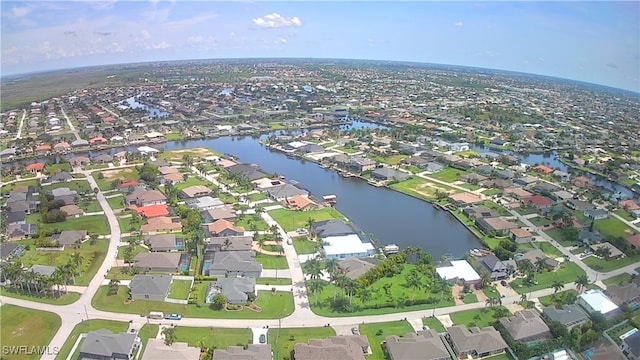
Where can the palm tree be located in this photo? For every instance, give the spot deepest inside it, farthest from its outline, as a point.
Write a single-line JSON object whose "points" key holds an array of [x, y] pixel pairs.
{"points": [[274, 230], [312, 268], [582, 282], [540, 264], [557, 286], [413, 281], [523, 297], [350, 287], [331, 265], [492, 301], [485, 279], [316, 286], [365, 294], [76, 259], [310, 223], [261, 241]]}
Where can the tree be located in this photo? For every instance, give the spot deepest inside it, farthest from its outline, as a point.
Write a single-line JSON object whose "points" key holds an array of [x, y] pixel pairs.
{"points": [[485, 279], [365, 294], [113, 286], [603, 252], [316, 286], [350, 288], [310, 223], [413, 280], [261, 241], [313, 268], [540, 264], [169, 334], [332, 266], [557, 286], [219, 301], [582, 282]]}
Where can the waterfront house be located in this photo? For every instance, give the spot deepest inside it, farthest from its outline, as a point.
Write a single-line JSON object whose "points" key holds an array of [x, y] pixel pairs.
{"points": [[534, 255], [152, 287], [459, 270], [35, 168], [423, 345], [223, 227], [359, 164], [527, 326], [164, 242], [595, 300], [163, 262], [157, 349], [626, 294], [521, 235], [283, 192], [496, 226], [478, 212], [464, 199], [326, 228], [104, 345], [631, 207], [103, 159], [79, 161], [347, 246], [344, 347], [525, 180], [247, 171], [497, 268], [300, 203], [475, 343], [384, 174], [569, 316], [60, 177], [235, 289], [581, 182]]}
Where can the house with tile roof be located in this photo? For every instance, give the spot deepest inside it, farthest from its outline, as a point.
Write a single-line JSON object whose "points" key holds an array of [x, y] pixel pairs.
{"points": [[527, 326]]}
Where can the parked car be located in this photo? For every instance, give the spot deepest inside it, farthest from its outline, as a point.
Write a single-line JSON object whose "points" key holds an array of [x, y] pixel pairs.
{"points": [[301, 231], [262, 339], [504, 283], [355, 331], [173, 317]]}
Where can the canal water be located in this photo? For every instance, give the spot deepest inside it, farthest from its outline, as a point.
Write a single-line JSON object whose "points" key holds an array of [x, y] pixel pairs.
{"points": [[151, 111]]}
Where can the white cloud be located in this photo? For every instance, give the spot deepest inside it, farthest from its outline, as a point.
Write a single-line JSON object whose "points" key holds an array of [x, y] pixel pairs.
{"points": [[20, 11], [282, 40], [161, 45], [458, 24], [276, 20], [195, 39], [192, 21]]}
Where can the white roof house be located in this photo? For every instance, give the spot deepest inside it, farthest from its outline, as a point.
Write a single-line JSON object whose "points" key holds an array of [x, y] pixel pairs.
{"points": [[296, 144], [459, 269], [596, 301], [346, 246], [147, 149]]}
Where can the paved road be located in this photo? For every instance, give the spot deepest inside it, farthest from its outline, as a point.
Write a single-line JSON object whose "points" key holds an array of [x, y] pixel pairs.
{"points": [[19, 134], [70, 124]]}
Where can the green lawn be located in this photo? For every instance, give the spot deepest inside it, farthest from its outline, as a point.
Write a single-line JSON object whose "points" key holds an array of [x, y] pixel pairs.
{"points": [[95, 224], [192, 180], [180, 289], [57, 168], [252, 223], [391, 159], [146, 332], [559, 298], [291, 219], [470, 298], [272, 261], [283, 340], [125, 224], [81, 186], [173, 136], [305, 246], [257, 197], [92, 257], [378, 332], [449, 174], [136, 250], [549, 249], [624, 214], [8, 188], [618, 279], [433, 323], [116, 273], [540, 221], [273, 281], [559, 236], [85, 327], [567, 273], [26, 327], [613, 227], [604, 265], [476, 317], [116, 202], [417, 187], [526, 210], [216, 338], [495, 207], [280, 303], [490, 292], [491, 192], [65, 299], [122, 174]]}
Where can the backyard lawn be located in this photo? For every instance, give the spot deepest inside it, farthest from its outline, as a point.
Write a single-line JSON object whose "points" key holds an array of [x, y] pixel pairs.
{"points": [[559, 298], [257, 197], [117, 273], [618, 279], [604, 265], [567, 273], [291, 220], [272, 261], [273, 281], [211, 337], [613, 227], [449, 174], [147, 331], [470, 298], [85, 327], [81, 186], [378, 332], [193, 180], [477, 317], [252, 223], [305, 246], [560, 236], [95, 224], [283, 340], [548, 249], [180, 289], [433, 323], [111, 175], [26, 327], [136, 250], [272, 305], [116, 202]]}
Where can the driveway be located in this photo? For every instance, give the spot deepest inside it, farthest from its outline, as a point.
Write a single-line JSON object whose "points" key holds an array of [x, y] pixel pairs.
{"points": [[505, 291]]}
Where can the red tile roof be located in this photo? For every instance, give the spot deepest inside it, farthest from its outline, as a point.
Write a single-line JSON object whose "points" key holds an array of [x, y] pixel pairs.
{"points": [[128, 183], [36, 167], [43, 147], [97, 139], [538, 200], [152, 211], [634, 240], [543, 168]]}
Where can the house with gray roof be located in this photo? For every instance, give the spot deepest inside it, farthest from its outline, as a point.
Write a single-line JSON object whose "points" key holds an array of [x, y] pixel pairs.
{"points": [[626, 294], [79, 143], [150, 287], [346, 347], [423, 345], [475, 342], [498, 269], [164, 242], [327, 228], [225, 212], [10, 250], [433, 167], [354, 268], [63, 191], [247, 171], [569, 316], [229, 243], [43, 270], [60, 177], [236, 290], [156, 349], [15, 217], [69, 238], [384, 174], [163, 262], [252, 352], [104, 345], [283, 192], [526, 326], [631, 346], [20, 231], [233, 263]]}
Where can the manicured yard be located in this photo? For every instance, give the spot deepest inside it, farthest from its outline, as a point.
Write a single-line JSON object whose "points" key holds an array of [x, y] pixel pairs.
{"points": [[624, 214], [526, 210], [116, 273], [378, 332], [549, 249], [291, 219], [26, 327], [81, 186], [116, 202], [95, 224], [180, 289], [196, 154], [92, 257], [193, 180], [85, 327], [605, 265], [217, 338], [559, 236], [618, 279], [567, 273], [449, 174], [125, 224], [477, 317], [56, 168], [613, 227], [540, 221], [146, 332], [615, 333], [273, 281], [65, 299], [433, 323], [491, 192], [305, 246], [470, 298], [391, 160], [111, 175], [283, 340], [257, 197], [495, 207], [252, 223], [559, 298], [490, 292], [272, 261], [273, 305], [136, 250]]}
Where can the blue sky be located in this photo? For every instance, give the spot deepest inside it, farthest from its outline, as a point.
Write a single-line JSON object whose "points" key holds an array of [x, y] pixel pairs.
{"points": [[596, 42]]}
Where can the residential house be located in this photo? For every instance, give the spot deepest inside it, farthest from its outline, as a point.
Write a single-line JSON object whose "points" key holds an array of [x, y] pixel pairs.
{"points": [[586, 237], [433, 167], [156, 349], [538, 202], [581, 182], [542, 169], [163, 262], [614, 252], [545, 188], [385, 173], [247, 171], [472, 178], [15, 217], [423, 345], [173, 178], [79, 161], [464, 199], [354, 268], [11, 250], [517, 193], [569, 316], [104, 345], [525, 180], [626, 294], [61, 147], [527, 326], [634, 241], [161, 224], [283, 192], [300, 203], [223, 227], [62, 176], [103, 159], [496, 184], [43, 270], [345, 347], [204, 203], [326, 228], [232, 264], [151, 211], [630, 206], [265, 183], [521, 235], [475, 343], [20, 231], [229, 243], [195, 191], [579, 205], [562, 195], [35, 168], [72, 211], [360, 164], [226, 212], [62, 191], [631, 346], [69, 238], [478, 212], [252, 352], [235, 289], [495, 225], [145, 198], [595, 300], [164, 242], [497, 268], [346, 246], [459, 270], [150, 287], [596, 214], [534, 255]]}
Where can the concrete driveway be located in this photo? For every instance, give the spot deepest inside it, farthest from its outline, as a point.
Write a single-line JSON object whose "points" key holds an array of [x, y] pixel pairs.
{"points": [[505, 291]]}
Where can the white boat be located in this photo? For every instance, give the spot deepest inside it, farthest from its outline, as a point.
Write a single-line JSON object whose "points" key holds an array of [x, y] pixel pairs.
{"points": [[391, 249]]}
